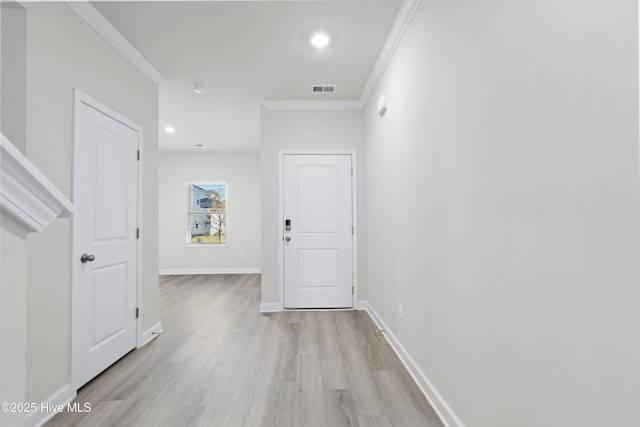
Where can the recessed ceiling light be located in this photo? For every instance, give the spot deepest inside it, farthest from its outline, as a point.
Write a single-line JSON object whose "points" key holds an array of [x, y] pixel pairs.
{"points": [[320, 40], [169, 129]]}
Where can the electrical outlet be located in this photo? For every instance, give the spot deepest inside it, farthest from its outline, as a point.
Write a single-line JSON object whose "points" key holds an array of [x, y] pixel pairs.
{"points": [[400, 311]]}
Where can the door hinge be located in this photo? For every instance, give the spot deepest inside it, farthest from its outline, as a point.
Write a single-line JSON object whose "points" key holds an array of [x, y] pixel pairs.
{"points": [[352, 230], [352, 170], [138, 154], [137, 233], [137, 312], [353, 290]]}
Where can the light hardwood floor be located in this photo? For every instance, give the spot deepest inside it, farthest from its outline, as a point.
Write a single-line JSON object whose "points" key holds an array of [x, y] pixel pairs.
{"points": [[221, 363]]}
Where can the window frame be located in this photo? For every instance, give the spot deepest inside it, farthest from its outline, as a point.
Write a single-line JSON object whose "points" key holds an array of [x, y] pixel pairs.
{"points": [[194, 244]]}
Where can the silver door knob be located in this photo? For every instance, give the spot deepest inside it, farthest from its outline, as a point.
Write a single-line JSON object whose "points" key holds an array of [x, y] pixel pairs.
{"points": [[288, 238], [84, 258]]}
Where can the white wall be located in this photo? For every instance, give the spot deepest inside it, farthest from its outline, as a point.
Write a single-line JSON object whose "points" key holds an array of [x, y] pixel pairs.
{"points": [[309, 129], [13, 300], [241, 171], [13, 77], [508, 160], [63, 53]]}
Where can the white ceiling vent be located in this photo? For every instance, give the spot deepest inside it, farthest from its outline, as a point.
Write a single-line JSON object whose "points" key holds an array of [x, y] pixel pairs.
{"points": [[323, 88]]}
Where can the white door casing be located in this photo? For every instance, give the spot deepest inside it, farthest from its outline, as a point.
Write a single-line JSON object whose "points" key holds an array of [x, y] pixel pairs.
{"points": [[318, 249], [105, 287]]}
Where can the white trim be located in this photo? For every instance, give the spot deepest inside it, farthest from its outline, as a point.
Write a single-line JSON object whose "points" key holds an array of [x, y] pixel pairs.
{"points": [[140, 336], [149, 334], [206, 246], [60, 398], [361, 305], [407, 9], [439, 405], [270, 307], [97, 20], [354, 223], [82, 98], [280, 302], [26, 194], [191, 271], [312, 105], [354, 212]]}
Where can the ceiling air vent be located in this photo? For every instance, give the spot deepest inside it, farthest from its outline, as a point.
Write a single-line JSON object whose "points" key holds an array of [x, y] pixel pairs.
{"points": [[323, 88]]}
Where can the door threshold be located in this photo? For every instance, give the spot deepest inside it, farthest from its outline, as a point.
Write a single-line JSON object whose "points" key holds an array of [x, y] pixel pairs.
{"points": [[320, 309]]}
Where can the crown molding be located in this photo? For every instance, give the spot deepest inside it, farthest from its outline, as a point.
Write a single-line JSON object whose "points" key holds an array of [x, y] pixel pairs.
{"points": [[26, 194], [87, 11], [97, 20], [312, 105], [406, 12]]}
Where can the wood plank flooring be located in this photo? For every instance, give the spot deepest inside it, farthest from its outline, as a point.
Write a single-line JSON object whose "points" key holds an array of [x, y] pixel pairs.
{"points": [[221, 363]]}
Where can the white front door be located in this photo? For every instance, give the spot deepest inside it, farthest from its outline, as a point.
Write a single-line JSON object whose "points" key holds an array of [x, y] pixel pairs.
{"points": [[318, 232], [104, 242]]}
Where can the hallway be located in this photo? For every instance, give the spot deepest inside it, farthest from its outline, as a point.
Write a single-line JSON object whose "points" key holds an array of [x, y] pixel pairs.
{"points": [[221, 363]]}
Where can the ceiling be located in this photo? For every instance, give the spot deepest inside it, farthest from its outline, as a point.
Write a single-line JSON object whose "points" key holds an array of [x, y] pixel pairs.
{"points": [[246, 52]]}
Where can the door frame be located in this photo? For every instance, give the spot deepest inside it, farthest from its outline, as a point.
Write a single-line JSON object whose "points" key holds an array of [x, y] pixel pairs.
{"points": [[79, 99], [354, 214]]}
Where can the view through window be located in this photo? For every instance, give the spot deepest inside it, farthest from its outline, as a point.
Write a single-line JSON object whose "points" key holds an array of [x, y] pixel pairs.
{"points": [[208, 213]]}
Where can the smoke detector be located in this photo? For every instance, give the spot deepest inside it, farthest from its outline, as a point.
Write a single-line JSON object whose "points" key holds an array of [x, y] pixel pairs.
{"points": [[198, 87]]}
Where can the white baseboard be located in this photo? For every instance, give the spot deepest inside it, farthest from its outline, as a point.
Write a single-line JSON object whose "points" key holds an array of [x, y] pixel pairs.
{"points": [[181, 271], [270, 307], [361, 305], [49, 407], [149, 334], [440, 406]]}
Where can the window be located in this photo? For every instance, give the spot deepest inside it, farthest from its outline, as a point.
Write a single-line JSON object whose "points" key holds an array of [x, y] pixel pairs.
{"points": [[208, 213]]}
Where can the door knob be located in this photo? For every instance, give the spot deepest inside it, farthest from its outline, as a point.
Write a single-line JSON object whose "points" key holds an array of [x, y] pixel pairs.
{"points": [[84, 258], [288, 238]]}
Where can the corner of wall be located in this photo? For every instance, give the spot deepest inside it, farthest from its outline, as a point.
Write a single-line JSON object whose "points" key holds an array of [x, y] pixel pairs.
{"points": [[437, 402]]}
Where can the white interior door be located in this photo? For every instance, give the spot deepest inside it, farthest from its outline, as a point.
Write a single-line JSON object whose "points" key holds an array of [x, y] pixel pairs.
{"points": [[318, 246], [104, 242]]}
